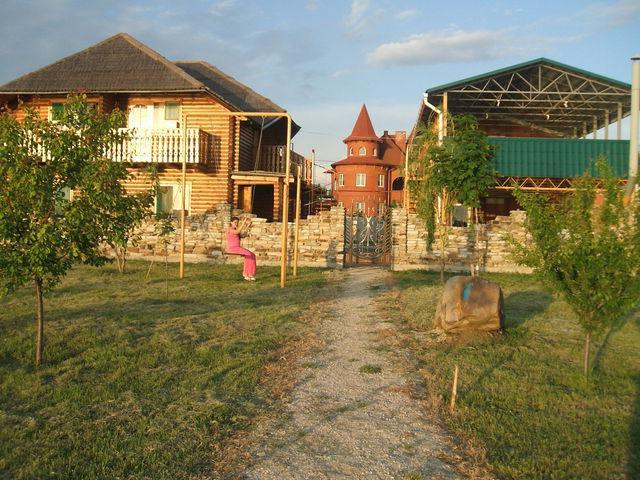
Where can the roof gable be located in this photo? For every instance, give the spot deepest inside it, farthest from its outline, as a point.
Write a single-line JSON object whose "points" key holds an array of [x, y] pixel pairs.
{"points": [[118, 64]]}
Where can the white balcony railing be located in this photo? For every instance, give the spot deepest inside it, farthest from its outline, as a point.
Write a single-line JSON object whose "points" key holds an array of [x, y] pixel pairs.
{"points": [[162, 145]]}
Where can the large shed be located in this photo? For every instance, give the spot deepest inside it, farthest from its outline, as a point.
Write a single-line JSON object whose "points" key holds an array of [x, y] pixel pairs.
{"points": [[549, 121]]}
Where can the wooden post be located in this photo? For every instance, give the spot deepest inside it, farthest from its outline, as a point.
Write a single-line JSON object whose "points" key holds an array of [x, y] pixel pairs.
{"points": [[285, 207], [313, 180], [183, 159], [297, 224], [454, 390]]}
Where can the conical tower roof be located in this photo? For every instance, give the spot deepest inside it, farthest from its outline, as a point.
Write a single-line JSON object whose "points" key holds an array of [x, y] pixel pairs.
{"points": [[363, 128]]}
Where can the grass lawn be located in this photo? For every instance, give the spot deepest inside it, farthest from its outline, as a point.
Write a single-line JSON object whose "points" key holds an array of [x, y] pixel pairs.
{"points": [[135, 385], [522, 397]]}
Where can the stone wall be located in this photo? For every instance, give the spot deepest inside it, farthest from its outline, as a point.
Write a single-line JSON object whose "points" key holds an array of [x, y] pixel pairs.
{"points": [[321, 239], [410, 245]]}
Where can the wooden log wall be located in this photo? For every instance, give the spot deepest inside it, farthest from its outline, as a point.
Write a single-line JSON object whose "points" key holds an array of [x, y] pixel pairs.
{"points": [[248, 145]]}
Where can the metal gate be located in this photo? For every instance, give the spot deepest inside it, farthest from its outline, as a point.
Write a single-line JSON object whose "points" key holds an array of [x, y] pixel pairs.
{"points": [[368, 239]]}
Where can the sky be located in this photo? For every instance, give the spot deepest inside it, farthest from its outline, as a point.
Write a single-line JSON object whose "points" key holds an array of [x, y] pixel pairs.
{"points": [[321, 60]]}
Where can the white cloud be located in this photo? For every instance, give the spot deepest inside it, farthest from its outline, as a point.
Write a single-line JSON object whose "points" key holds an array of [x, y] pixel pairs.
{"points": [[358, 17], [406, 14], [341, 73], [446, 46], [615, 14], [222, 7]]}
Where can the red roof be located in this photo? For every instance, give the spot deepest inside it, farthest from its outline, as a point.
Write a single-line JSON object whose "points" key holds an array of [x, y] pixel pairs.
{"points": [[392, 151], [363, 129], [364, 160]]}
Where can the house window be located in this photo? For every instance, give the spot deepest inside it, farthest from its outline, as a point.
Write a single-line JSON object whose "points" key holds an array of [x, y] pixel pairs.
{"points": [[340, 204], [360, 179], [350, 150], [381, 180], [341, 179], [382, 207], [359, 206], [169, 198], [362, 151], [171, 111], [374, 152]]}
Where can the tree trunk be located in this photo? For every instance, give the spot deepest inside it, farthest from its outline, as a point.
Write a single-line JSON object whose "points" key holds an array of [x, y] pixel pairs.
{"points": [[39, 321], [442, 252], [476, 229], [587, 348]]}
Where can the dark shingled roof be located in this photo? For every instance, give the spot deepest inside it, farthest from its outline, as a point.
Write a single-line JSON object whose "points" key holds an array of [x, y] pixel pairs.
{"points": [[117, 64], [228, 88], [123, 64]]}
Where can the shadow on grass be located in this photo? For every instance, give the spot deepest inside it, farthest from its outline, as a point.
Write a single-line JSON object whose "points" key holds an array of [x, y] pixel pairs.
{"points": [[613, 329], [634, 437], [488, 372], [519, 307]]}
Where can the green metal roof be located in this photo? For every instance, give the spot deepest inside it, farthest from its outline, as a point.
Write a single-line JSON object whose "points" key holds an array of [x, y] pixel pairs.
{"points": [[530, 63], [542, 95], [557, 157]]}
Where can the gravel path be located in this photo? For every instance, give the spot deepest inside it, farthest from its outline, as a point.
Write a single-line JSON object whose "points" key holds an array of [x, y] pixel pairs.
{"points": [[351, 415]]}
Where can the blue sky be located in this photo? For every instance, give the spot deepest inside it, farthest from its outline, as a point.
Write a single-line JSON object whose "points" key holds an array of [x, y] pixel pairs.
{"points": [[322, 59]]}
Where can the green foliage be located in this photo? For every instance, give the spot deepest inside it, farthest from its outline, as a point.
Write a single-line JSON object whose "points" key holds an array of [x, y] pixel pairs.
{"points": [[461, 167], [41, 234], [586, 249]]}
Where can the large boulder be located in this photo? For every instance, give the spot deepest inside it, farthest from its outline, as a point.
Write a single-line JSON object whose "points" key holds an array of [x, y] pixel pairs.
{"points": [[470, 304]]}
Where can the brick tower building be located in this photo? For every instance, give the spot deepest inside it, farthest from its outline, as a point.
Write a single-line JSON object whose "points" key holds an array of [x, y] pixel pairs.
{"points": [[369, 180]]}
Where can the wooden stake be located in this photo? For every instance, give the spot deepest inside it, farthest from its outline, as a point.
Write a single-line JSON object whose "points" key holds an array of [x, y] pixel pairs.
{"points": [[285, 208], [183, 158], [297, 224], [454, 390]]}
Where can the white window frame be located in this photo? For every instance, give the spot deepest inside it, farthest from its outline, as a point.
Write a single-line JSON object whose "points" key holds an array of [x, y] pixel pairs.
{"points": [[362, 151], [374, 151], [341, 179], [350, 150], [177, 186], [361, 177], [359, 207], [166, 109], [381, 180]]}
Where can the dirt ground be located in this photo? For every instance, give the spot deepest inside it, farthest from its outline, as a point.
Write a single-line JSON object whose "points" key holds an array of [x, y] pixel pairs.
{"points": [[354, 411]]}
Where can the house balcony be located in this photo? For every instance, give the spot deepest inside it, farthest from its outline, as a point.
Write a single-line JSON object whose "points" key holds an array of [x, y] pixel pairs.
{"points": [[273, 159], [163, 145]]}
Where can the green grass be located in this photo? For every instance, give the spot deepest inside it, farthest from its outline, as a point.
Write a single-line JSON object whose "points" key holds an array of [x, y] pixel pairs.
{"points": [[134, 385], [370, 369], [522, 396]]}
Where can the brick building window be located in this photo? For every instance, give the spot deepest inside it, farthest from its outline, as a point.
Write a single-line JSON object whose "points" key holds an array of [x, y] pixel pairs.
{"points": [[341, 179], [381, 180], [359, 206], [360, 179], [362, 151]]}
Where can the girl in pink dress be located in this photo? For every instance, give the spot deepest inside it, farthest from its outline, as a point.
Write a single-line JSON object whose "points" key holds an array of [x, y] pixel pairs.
{"points": [[233, 247]]}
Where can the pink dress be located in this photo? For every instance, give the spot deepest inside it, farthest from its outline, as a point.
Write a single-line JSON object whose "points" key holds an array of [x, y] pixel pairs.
{"points": [[234, 248]]}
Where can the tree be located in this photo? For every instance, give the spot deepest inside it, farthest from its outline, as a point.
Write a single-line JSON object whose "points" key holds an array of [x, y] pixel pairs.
{"points": [[458, 170], [42, 233], [586, 249]]}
